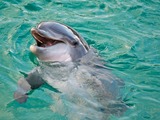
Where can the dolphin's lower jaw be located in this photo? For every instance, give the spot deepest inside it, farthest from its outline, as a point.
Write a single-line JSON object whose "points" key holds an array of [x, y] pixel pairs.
{"points": [[57, 53]]}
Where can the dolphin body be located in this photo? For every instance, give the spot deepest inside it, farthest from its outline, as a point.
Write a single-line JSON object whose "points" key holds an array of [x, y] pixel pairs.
{"points": [[71, 67]]}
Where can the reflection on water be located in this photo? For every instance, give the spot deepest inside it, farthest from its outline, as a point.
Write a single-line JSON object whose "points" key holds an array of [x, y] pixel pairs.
{"points": [[126, 35]]}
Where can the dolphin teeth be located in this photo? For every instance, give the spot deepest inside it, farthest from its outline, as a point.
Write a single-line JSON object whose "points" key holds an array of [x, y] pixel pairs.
{"points": [[39, 41]]}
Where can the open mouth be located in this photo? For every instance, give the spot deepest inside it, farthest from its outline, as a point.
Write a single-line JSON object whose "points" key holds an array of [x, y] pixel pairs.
{"points": [[43, 41]]}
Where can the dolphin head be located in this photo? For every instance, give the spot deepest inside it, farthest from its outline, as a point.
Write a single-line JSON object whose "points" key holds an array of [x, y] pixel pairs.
{"points": [[57, 42]]}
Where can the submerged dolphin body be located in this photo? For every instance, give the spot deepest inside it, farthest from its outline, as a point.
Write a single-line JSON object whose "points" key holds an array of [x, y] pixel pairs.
{"points": [[69, 65]]}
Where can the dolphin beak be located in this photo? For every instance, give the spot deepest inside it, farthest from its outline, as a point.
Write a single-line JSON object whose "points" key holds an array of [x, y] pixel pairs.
{"points": [[43, 39]]}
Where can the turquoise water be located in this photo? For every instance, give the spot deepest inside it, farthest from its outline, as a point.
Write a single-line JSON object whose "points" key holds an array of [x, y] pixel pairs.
{"points": [[125, 33]]}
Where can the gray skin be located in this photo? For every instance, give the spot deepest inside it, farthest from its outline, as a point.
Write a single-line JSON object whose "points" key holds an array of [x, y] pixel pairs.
{"points": [[57, 42], [54, 42], [69, 65]]}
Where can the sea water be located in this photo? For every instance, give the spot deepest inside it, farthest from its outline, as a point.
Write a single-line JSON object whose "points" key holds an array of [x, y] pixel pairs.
{"points": [[126, 35]]}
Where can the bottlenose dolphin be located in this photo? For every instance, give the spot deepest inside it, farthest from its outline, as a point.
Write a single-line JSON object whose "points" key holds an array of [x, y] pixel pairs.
{"points": [[68, 64]]}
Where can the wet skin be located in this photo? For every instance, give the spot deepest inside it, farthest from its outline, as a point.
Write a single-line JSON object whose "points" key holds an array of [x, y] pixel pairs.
{"points": [[55, 42], [70, 66]]}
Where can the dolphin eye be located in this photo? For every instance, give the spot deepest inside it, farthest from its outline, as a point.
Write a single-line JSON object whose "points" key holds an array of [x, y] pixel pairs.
{"points": [[75, 43]]}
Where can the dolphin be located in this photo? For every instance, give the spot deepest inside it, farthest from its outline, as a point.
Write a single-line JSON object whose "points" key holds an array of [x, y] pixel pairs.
{"points": [[73, 68], [54, 42]]}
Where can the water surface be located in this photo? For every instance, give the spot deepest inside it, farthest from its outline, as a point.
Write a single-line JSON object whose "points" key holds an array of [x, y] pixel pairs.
{"points": [[125, 33]]}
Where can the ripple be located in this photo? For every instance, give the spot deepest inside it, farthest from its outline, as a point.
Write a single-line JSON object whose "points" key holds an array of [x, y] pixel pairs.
{"points": [[33, 7], [125, 33]]}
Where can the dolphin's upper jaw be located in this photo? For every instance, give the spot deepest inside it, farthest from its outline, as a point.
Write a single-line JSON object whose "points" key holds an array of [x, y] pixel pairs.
{"points": [[43, 41]]}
